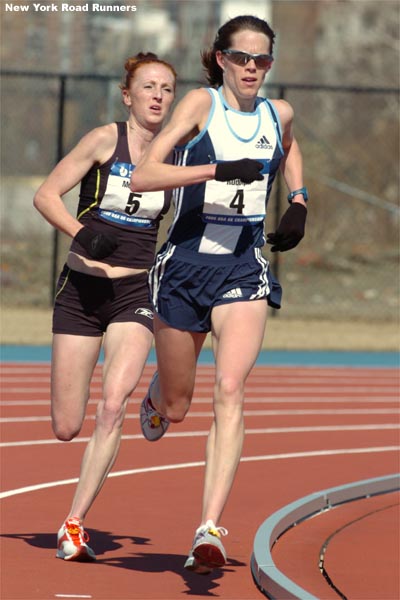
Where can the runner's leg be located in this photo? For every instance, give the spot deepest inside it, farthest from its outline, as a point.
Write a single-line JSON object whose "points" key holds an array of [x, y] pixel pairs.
{"points": [[238, 330], [177, 352], [74, 358], [126, 349]]}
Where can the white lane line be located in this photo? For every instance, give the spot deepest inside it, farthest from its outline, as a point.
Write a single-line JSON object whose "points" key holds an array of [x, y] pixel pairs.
{"points": [[247, 413], [182, 434], [391, 378], [266, 389], [248, 400], [72, 596], [287, 455]]}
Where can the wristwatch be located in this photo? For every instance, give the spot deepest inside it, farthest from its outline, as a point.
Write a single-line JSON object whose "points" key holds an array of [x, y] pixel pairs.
{"points": [[302, 191]]}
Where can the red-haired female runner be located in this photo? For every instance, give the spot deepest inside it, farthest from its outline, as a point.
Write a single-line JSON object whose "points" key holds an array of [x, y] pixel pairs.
{"points": [[102, 293]]}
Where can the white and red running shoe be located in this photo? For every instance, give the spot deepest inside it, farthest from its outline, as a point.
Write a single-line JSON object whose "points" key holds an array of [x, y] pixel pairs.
{"points": [[71, 542], [192, 564], [152, 423], [207, 552]]}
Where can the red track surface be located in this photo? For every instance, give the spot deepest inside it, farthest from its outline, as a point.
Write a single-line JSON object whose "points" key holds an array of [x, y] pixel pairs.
{"points": [[308, 429]]}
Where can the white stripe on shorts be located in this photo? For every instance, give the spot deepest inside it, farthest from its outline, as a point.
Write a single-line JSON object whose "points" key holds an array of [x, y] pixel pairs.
{"points": [[263, 287], [157, 272]]}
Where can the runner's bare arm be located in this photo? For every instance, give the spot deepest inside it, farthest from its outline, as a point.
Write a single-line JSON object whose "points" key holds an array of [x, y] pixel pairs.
{"points": [[292, 163], [94, 147], [151, 172]]}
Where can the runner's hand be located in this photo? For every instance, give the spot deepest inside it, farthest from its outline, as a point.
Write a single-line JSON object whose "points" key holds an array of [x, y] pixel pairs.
{"points": [[97, 245], [290, 230], [245, 169]]}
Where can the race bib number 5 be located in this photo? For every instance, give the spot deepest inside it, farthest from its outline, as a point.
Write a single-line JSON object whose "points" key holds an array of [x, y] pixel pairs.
{"points": [[119, 204]]}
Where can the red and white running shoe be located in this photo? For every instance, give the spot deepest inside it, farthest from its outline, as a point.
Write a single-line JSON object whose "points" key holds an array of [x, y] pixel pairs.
{"points": [[152, 423], [71, 542], [207, 551]]}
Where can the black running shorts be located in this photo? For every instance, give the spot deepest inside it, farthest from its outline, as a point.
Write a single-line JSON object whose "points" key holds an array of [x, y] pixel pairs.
{"points": [[86, 305]]}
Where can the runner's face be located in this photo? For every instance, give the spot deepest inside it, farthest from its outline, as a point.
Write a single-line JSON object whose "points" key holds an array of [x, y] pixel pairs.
{"points": [[245, 81], [150, 94]]}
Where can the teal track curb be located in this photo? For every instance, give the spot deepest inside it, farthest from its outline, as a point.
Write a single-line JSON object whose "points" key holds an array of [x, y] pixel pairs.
{"points": [[272, 582], [307, 358]]}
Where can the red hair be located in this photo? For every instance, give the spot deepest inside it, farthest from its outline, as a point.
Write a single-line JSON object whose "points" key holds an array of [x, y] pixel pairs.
{"points": [[133, 63]]}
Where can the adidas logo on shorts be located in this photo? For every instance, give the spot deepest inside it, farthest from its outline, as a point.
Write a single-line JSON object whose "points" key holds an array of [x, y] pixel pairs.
{"points": [[235, 293]]}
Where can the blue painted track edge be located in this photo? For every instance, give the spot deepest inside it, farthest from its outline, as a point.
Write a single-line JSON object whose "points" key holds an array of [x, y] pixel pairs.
{"points": [[308, 358]]}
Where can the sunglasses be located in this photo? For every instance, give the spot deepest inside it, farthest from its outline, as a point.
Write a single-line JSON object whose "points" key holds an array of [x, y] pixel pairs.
{"points": [[262, 61]]}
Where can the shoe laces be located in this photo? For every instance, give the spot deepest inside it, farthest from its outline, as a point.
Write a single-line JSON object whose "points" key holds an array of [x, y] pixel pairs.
{"points": [[154, 418], [212, 529], [75, 529]]}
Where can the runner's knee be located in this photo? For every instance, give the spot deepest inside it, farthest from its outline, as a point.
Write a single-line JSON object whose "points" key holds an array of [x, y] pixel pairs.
{"points": [[229, 388], [64, 430], [110, 415], [176, 407]]}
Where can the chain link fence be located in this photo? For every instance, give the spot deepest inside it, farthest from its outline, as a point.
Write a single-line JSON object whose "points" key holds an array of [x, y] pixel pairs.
{"points": [[345, 268]]}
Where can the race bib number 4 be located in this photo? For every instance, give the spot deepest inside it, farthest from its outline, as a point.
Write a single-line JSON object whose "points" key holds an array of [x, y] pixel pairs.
{"points": [[234, 203]]}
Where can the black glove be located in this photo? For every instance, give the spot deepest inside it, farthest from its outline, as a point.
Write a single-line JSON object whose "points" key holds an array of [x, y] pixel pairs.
{"points": [[290, 230], [246, 169], [97, 245]]}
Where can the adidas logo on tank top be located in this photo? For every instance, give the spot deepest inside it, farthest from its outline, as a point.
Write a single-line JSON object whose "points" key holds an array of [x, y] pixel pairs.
{"points": [[263, 143]]}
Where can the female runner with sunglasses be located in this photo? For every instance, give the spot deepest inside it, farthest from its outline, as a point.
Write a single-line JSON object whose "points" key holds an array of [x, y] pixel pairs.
{"points": [[102, 293], [211, 275]]}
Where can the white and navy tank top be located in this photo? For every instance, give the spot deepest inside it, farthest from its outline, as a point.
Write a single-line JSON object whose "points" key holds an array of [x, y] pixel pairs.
{"points": [[227, 217], [106, 204]]}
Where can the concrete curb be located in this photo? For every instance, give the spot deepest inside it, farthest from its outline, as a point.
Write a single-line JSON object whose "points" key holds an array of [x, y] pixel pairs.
{"points": [[272, 582]]}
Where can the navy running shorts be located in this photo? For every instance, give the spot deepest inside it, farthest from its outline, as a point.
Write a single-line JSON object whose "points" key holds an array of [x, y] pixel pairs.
{"points": [[185, 286], [86, 305]]}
